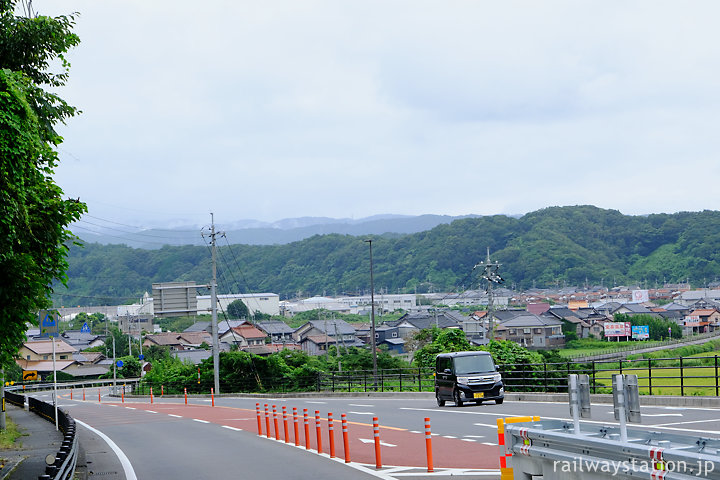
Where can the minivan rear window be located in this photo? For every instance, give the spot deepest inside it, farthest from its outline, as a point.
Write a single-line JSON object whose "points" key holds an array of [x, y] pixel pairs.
{"points": [[467, 365]]}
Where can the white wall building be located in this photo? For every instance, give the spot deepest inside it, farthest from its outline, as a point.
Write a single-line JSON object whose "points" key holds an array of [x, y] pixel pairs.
{"points": [[267, 303]]}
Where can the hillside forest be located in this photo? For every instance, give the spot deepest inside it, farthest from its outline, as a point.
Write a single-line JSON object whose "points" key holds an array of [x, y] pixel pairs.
{"points": [[552, 247]]}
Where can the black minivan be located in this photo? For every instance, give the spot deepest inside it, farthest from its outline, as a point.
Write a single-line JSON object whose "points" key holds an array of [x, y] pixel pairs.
{"points": [[467, 377]]}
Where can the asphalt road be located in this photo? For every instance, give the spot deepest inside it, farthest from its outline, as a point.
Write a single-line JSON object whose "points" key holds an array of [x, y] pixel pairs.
{"points": [[168, 439]]}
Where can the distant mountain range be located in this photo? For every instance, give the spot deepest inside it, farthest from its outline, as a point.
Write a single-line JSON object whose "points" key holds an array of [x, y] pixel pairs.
{"points": [[255, 232]]}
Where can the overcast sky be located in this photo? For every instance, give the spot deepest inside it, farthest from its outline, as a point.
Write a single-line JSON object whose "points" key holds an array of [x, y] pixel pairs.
{"points": [[277, 109]]}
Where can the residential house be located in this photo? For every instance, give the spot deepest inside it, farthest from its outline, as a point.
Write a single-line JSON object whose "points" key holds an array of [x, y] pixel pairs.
{"points": [[278, 331], [411, 323], [475, 327], [532, 331], [317, 344], [40, 350], [701, 321], [82, 340], [178, 341], [390, 337], [337, 332], [244, 336]]}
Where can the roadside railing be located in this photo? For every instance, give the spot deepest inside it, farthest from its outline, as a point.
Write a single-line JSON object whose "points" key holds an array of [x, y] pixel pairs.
{"points": [[63, 467]]}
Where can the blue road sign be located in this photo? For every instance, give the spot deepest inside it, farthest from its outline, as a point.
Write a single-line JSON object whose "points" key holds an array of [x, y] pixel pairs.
{"points": [[119, 363], [141, 356], [48, 324], [85, 328]]}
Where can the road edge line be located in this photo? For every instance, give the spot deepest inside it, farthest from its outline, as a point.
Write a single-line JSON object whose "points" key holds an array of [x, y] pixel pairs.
{"points": [[124, 460]]}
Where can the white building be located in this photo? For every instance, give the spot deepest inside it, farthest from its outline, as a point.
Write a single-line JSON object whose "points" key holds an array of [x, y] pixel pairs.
{"points": [[267, 303]]}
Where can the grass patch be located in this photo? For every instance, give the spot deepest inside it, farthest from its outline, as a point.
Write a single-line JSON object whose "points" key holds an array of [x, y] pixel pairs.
{"points": [[9, 435], [697, 380]]}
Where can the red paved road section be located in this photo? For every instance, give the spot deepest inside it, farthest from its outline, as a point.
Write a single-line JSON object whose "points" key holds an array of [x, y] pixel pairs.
{"points": [[408, 449]]}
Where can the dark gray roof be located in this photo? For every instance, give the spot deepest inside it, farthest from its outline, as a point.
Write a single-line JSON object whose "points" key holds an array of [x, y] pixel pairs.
{"points": [[275, 327], [195, 356], [531, 320], [394, 341], [333, 325], [426, 320]]}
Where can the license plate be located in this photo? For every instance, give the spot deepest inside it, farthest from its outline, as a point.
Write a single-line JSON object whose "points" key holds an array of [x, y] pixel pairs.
{"points": [[479, 395]]}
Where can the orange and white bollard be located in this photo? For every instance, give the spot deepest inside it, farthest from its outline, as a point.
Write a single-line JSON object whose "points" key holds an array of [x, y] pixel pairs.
{"points": [[317, 431], [151, 396], [275, 423], [376, 436], [122, 395], [295, 427], [99, 401], [307, 429], [212, 395], [185, 389], [71, 390], [267, 421], [331, 435], [428, 445], [162, 390], [259, 421], [83, 394], [285, 425], [346, 441]]}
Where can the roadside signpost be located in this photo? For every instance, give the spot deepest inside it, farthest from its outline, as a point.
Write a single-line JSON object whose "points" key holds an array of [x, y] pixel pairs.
{"points": [[49, 322]]}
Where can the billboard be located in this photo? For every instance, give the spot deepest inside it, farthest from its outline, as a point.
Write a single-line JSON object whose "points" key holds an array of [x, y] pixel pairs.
{"points": [[175, 299], [617, 329], [640, 296], [692, 320], [641, 332]]}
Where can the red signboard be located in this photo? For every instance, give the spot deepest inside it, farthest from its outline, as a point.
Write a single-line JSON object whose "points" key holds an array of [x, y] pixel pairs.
{"points": [[618, 329]]}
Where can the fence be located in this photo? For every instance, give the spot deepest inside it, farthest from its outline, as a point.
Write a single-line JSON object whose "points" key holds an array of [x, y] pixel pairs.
{"points": [[658, 376]]}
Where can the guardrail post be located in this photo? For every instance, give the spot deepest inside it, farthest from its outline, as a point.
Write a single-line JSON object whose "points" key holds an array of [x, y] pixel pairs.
{"points": [[259, 421], [275, 423], [295, 427], [428, 445], [307, 429], [318, 433], [376, 437], [346, 442], [285, 425]]}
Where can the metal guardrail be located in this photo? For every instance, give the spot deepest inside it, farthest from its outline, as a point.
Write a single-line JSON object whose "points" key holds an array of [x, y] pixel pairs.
{"points": [[551, 448], [15, 399], [63, 468]]}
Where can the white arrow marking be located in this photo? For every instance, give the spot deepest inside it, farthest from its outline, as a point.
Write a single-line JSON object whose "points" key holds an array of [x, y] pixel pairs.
{"points": [[365, 440]]}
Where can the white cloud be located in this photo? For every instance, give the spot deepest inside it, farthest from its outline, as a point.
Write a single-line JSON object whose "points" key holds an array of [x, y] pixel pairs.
{"points": [[281, 108]]}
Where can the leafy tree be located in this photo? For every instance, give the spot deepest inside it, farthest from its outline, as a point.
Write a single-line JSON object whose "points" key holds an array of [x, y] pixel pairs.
{"points": [[238, 309], [33, 215]]}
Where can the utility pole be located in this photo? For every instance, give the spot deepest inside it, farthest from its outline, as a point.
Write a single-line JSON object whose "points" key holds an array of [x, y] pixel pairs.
{"points": [[213, 305], [491, 275]]}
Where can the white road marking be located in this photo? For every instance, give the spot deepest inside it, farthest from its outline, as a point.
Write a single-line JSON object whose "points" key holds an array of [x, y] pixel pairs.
{"points": [[232, 428], [468, 440], [475, 436], [201, 421], [150, 411], [448, 436], [131, 408], [359, 405], [176, 416], [490, 443], [124, 460], [485, 425], [316, 402], [362, 413], [367, 440], [662, 414]]}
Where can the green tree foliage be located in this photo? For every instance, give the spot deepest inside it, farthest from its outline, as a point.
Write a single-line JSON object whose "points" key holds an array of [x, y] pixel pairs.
{"points": [[238, 309], [33, 215]]}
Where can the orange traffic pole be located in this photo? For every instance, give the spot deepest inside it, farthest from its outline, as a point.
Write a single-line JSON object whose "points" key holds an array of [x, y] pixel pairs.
{"points": [[267, 422], [331, 435], [151, 395], [275, 423], [99, 396], [185, 389], [285, 425], [212, 395], [83, 394], [259, 421], [346, 442], [71, 390], [307, 429], [162, 390], [428, 445], [317, 431], [376, 436], [295, 427], [122, 395]]}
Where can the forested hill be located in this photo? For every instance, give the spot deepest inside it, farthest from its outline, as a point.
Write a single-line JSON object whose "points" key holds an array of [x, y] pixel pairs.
{"points": [[556, 245]]}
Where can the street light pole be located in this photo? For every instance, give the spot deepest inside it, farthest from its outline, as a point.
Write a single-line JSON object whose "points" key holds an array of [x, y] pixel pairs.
{"points": [[372, 314]]}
